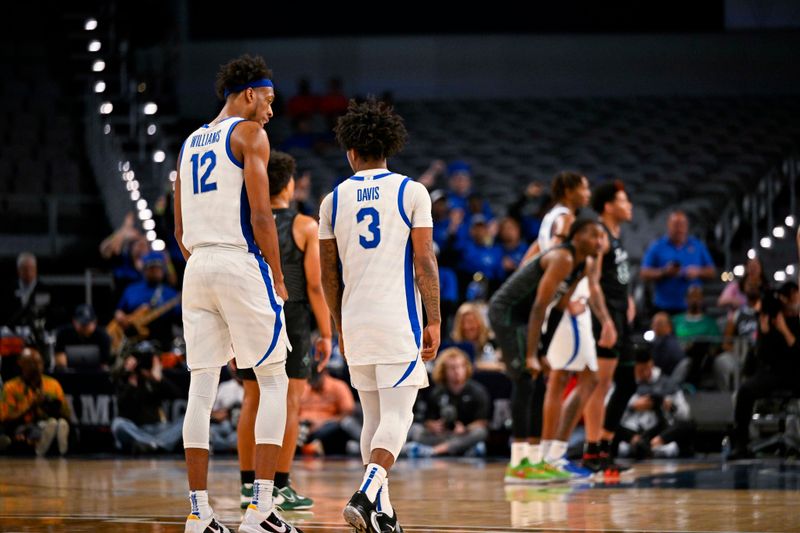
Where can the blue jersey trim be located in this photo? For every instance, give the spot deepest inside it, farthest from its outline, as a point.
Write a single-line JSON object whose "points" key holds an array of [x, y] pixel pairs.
{"points": [[400, 202], [228, 145], [244, 219], [411, 300], [375, 177], [335, 205], [576, 332], [276, 308], [180, 155], [407, 373], [369, 479]]}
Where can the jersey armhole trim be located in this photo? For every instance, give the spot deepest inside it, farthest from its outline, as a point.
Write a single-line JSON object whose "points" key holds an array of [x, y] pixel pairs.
{"points": [[400, 201], [335, 202], [228, 145]]}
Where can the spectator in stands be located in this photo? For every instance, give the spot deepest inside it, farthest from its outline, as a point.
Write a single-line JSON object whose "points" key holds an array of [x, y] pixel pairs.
{"points": [[472, 335], [28, 302], [81, 344], [303, 104], [528, 208], [657, 420], [448, 291], [511, 245], [460, 188], [326, 409], [225, 414], [734, 296], [449, 231], [667, 351], [457, 413], [741, 330], [694, 322], [33, 407], [429, 177], [141, 425], [478, 254], [777, 358], [151, 294], [674, 262], [700, 336], [334, 102], [124, 249]]}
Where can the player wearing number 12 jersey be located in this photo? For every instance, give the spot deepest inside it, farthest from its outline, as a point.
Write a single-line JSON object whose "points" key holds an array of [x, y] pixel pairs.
{"points": [[378, 224], [233, 289]]}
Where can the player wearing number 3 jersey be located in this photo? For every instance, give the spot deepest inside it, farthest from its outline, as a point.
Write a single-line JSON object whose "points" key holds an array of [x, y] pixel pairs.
{"points": [[378, 224]]}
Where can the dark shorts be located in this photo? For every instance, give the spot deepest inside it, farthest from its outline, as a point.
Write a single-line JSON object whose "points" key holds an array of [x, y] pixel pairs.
{"points": [[298, 328], [622, 349], [512, 340]]}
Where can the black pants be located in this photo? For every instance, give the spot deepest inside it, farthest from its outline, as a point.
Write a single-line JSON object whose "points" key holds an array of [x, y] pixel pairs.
{"points": [[527, 401], [679, 431], [761, 385], [624, 387]]}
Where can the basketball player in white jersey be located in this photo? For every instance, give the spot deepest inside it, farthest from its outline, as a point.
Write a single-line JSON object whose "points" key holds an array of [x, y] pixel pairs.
{"points": [[379, 225], [571, 347], [233, 288]]}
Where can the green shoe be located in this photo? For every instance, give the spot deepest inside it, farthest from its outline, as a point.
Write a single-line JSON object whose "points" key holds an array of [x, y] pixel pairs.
{"points": [[557, 474], [287, 499], [246, 495], [525, 472]]}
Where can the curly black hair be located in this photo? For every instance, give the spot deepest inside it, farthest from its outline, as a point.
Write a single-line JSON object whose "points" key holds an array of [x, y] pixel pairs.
{"points": [[563, 182], [243, 69], [280, 170], [372, 129], [604, 193]]}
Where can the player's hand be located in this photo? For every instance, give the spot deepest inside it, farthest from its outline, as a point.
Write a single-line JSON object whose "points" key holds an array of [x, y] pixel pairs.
{"points": [[280, 288], [323, 348], [533, 365], [692, 272], [576, 307], [431, 338], [671, 270], [608, 335]]}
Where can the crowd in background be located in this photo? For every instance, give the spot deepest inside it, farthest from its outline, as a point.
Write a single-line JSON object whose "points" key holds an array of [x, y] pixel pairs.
{"points": [[478, 247]]}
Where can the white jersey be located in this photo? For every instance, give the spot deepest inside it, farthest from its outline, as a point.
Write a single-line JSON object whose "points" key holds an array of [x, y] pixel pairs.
{"points": [[214, 203], [581, 292], [371, 215]]}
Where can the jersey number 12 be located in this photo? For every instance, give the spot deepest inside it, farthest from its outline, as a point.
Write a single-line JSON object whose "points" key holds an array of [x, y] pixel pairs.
{"points": [[209, 161]]}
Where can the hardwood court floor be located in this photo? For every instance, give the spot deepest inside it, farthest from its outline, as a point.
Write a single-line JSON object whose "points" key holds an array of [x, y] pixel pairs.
{"points": [[437, 496]]}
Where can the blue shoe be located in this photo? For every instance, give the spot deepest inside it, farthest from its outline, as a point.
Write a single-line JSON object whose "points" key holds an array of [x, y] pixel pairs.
{"points": [[577, 471]]}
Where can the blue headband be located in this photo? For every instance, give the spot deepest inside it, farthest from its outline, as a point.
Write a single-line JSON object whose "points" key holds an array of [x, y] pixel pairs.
{"points": [[264, 82]]}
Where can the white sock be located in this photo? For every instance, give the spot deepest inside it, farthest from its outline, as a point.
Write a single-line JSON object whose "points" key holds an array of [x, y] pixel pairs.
{"points": [[546, 448], [373, 480], [262, 495], [198, 499], [519, 450], [558, 449], [382, 504], [535, 453]]}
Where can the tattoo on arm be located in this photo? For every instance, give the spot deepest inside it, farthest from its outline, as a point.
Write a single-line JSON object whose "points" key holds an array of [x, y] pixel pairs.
{"points": [[331, 280], [427, 272]]}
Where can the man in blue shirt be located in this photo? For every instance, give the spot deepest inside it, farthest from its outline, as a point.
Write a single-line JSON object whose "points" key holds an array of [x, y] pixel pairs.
{"points": [[675, 262], [153, 293]]}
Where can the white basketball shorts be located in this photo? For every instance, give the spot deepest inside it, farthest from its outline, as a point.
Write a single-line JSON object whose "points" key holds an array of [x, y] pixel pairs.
{"points": [[374, 377], [230, 308], [572, 347]]}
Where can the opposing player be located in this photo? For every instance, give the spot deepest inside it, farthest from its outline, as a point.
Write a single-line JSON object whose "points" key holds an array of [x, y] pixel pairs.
{"points": [[233, 288], [299, 243], [379, 225], [611, 201], [518, 309]]}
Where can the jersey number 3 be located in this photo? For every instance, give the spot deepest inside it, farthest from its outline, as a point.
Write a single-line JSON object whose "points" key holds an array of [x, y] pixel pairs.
{"points": [[374, 227], [209, 161]]}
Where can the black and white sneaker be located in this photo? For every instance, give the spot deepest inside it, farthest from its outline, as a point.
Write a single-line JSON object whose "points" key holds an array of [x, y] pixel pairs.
{"points": [[255, 522], [210, 525], [358, 512], [383, 523]]}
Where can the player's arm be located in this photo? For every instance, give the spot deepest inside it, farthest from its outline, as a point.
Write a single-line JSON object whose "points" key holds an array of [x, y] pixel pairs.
{"points": [[178, 216], [597, 302], [331, 281], [558, 266], [533, 250], [255, 153], [311, 266], [427, 274], [561, 228]]}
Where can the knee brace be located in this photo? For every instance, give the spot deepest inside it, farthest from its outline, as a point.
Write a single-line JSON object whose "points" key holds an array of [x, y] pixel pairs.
{"points": [[370, 406], [273, 386], [202, 392], [397, 414]]}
